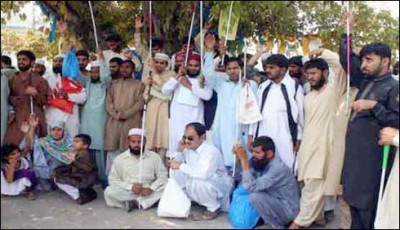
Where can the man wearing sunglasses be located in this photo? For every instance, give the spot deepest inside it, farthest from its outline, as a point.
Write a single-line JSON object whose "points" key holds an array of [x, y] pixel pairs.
{"points": [[199, 169]]}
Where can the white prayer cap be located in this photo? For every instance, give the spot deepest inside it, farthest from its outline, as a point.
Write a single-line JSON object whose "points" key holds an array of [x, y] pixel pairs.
{"points": [[60, 56], [161, 57], [137, 132], [40, 62], [95, 64]]}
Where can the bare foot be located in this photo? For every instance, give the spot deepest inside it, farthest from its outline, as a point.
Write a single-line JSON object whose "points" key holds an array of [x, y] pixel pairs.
{"points": [[30, 195], [294, 226]]}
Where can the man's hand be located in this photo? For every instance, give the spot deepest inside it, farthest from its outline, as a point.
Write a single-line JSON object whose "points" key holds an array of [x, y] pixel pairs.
{"points": [[316, 53], [387, 136], [240, 152], [364, 105], [181, 146], [148, 81], [127, 53], [70, 156], [250, 142], [100, 54], [25, 127], [202, 81], [137, 188], [13, 163], [260, 49], [33, 121], [181, 72], [138, 23], [222, 49], [31, 91], [122, 116], [11, 118], [63, 94], [348, 15], [173, 164], [296, 146], [209, 42], [185, 82], [146, 192]]}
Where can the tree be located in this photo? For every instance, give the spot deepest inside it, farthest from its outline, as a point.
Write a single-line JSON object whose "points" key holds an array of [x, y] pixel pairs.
{"points": [[284, 21]]}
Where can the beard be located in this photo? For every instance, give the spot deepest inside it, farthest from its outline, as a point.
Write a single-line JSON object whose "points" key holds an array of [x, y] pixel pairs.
{"points": [[24, 68], [97, 80], [191, 75], [259, 165], [40, 72], [134, 151], [319, 84], [57, 70]]}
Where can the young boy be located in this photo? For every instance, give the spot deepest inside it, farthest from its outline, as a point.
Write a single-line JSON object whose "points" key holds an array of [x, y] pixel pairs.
{"points": [[78, 178], [16, 175]]}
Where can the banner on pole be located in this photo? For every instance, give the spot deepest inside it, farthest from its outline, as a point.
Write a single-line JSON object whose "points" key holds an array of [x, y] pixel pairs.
{"points": [[223, 22]]}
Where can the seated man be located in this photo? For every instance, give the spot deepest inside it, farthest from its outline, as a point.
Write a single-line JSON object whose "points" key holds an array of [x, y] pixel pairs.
{"points": [[274, 192], [199, 169], [126, 189]]}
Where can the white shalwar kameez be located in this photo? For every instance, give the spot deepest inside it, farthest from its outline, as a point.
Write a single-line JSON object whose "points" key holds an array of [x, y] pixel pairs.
{"points": [[184, 111], [275, 117], [203, 177]]}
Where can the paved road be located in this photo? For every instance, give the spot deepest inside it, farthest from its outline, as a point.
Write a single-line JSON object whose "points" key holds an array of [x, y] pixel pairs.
{"points": [[56, 210]]}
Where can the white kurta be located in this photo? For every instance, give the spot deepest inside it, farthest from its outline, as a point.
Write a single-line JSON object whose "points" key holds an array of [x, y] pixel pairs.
{"points": [[71, 120], [203, 176], [125, 172], [275, 123], [182, 114]]}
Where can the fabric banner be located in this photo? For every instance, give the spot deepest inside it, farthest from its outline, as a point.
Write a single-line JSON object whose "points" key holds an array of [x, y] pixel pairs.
{"points": [[223, 22]]}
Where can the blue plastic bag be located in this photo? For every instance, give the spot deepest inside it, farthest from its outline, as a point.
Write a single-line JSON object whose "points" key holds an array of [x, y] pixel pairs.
{"points": [[70, 68], [242, 215]]}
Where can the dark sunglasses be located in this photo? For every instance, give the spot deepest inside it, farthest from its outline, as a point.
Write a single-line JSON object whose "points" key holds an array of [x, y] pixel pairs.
{"points": [[188, 138]]}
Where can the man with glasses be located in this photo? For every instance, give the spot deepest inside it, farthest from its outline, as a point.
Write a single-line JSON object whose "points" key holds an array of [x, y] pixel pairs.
{"points": [[199, 169]]}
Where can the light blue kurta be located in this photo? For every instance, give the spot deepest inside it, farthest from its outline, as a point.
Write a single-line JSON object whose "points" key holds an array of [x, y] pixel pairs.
{"points": [[225, 135], [94, 114], [4, 105]]}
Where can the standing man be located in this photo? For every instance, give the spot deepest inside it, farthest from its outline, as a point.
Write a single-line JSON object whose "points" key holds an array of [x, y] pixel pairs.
{"points": [[124, 105], [83, 59], [27, 90], [114, 66], [94, 114], [280, 99], [376, 107], [39, 67], [296, 71], [188, 91], [316, 153], [157, 127], [6, 67], [225, 131]]}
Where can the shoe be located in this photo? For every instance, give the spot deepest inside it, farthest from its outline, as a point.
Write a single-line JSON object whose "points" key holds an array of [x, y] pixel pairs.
{"points": [[207, 215], [130, 205], [30, 195]]}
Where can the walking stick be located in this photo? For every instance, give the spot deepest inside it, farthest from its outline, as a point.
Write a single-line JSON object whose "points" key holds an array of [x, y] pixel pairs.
{"points": [[386, 151], [227, 29], [94, 25], [150, 28], [189, 38], [348, 61], [142, 137]]}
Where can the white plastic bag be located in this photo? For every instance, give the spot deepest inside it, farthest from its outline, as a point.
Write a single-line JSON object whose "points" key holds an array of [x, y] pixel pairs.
{"points": [[174, 202], [248, 110]]}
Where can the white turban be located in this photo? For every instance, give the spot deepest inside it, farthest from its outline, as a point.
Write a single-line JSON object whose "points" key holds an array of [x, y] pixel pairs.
{"points": [[161, 57], [40, 62], [95, 64], [60, 56], [137, 132]]}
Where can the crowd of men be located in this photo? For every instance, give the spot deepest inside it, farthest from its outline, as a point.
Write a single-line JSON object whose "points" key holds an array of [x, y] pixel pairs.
{"points": [[70, 133]]}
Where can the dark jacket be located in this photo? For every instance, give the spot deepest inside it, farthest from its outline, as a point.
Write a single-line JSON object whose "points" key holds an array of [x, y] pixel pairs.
{"points": [[363, 155]]}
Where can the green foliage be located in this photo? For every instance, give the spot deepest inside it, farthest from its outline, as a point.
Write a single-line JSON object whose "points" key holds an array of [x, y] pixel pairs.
{"points": [[281, 19]]}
